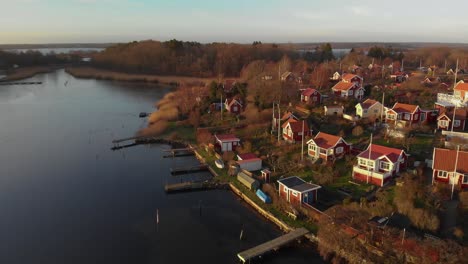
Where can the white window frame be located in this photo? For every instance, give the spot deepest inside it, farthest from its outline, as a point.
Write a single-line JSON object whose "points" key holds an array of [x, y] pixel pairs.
{"points": [[391, 116], [407, 116], [312, 147], [456, 123], [294, 193], [465, 179], [385, 166], [285, 188], [443, 123], [339, 150], [442, 174], [362, 162], [350, 92]]}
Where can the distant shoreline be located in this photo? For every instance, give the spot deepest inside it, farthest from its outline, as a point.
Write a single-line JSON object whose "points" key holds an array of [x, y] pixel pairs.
{"points": [[27, 72], [101, 74]]}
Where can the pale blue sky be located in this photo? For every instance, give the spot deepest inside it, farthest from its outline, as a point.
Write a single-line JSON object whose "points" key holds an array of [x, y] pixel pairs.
{"points": [[64, 21]]}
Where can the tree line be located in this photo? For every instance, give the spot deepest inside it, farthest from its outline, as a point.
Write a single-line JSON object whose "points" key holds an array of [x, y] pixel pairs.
{"points": [[176, 57]]}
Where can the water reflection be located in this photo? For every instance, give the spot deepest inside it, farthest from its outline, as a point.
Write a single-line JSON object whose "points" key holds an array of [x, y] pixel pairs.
{"points": [[65, 197]]}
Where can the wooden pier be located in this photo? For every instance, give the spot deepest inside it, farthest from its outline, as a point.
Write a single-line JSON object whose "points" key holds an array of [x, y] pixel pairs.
{"points": [[186, 170], [19, 83], [274, 244], [180, 152], [193, 186]]}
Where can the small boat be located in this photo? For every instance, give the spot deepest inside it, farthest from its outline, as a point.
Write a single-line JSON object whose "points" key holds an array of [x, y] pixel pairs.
{"points": [[263, 196], [219, 163], [143, 114]]}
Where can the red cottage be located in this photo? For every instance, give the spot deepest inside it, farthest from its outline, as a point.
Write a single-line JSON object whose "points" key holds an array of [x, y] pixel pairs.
{"points": [[233, 106], [328, 147], [292, 130], [349, 86], [378, 164], [284, 118], [443, 167], [444, 121], [296, 191], [409, 114], [311, 96]]}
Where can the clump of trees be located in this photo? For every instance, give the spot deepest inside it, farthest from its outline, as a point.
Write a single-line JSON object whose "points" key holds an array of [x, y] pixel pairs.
{"points": [[176, 57], [411, 199], [33, 58]]}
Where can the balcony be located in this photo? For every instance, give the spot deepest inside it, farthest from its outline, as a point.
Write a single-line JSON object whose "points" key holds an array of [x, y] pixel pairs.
{"points": [[374, 174]]}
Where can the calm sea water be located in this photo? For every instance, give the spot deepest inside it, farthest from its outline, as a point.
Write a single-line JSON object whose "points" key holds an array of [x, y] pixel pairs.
{"points": [[65, 197]]}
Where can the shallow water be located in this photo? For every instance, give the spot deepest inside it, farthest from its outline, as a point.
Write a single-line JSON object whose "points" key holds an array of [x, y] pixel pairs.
{"points": [[65, 197]]}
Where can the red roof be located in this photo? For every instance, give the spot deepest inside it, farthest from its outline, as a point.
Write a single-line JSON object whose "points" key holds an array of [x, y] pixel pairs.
{"points": [[378, 151], [444, 159], [348, 77], [308, 92], [325, 140], [227, 137], [342, 86], [404, 108], [288, 115], [461, 86], [460, 114], [290, 120], [368, 103], [247, 156], [296, 126]]}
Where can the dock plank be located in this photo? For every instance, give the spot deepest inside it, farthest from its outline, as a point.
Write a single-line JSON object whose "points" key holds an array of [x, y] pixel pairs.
{"points": [[272, 244]]}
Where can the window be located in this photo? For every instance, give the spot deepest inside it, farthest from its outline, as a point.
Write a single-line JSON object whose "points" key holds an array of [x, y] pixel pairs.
{"points": [[285, 189], [365, 111], [312, 147], [465, 179], [339, 150], [443, 123], [416, 117], [407, 117], [330, 152], [391, 116], [442, 174], [294, 193], [234, 108], [375, 110], [362, 162], [314, 99], [350, 92], [323, 151], [385, 166], [456, 123]]}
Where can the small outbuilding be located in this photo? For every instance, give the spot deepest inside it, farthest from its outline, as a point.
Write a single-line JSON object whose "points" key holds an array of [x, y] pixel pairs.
{"points": [[227, 142], [248, 181], [296, 191], [249, 162]]}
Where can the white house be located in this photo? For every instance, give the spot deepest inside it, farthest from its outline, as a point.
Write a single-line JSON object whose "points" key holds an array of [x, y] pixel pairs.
{"points": [[369, 109]]}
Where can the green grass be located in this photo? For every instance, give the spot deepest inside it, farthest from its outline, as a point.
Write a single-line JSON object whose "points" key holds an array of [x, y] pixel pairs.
{"points": [[184, 132]]}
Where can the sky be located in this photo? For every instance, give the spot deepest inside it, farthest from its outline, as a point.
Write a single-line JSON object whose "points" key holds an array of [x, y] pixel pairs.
{"points": [[242, 21]]}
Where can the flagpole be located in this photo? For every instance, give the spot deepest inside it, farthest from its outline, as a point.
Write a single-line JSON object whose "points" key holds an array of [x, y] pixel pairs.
{"points": [[454, 172], [370, 150], [302, 146]]}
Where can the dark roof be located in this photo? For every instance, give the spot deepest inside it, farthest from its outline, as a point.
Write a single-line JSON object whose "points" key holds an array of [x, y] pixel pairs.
{"points": [[297, 184]]}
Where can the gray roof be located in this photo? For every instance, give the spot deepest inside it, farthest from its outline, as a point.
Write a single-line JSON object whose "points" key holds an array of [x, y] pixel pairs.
{"points": [[297, 184]]}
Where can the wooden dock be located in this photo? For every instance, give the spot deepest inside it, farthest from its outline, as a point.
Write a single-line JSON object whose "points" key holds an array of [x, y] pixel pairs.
{"points": [[186, 170], [274, 244], [193, 186], [180, 152], [19, 83]]}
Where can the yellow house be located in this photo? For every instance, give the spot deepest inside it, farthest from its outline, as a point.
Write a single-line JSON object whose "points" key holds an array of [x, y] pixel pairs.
{"points": [[369, 109]]}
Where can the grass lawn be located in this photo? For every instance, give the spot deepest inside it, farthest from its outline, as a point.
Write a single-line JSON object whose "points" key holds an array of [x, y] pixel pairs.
{"points": [[184, 132]]}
